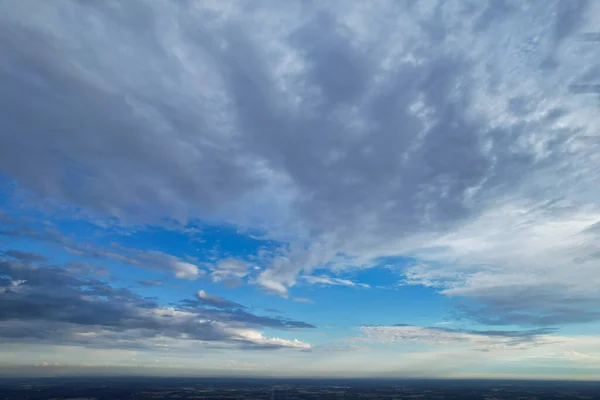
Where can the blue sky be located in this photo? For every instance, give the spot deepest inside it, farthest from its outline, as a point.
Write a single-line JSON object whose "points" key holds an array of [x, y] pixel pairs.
{"points": [[299, 188]]}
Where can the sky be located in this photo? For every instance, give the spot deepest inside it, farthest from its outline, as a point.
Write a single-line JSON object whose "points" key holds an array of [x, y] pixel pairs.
{"points": [[302, 188]]}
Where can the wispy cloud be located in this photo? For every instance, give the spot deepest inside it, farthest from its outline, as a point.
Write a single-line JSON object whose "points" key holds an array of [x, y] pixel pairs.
{"points": [[148, 259], [479, 340]]}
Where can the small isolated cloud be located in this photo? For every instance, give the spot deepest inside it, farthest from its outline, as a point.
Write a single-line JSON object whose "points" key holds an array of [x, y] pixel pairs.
{"points": [[185, 270], [270, 282]]}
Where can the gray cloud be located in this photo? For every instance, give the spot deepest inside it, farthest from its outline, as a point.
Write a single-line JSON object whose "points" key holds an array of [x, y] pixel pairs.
{"points": [[368, 131], [528, 305], [148, 259], [225, 310], [216, 301], [309, 144], [51, 305], [85, 269]]}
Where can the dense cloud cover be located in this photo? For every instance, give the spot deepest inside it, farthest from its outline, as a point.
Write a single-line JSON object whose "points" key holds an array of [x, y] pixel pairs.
{"points": [[350, 132]]}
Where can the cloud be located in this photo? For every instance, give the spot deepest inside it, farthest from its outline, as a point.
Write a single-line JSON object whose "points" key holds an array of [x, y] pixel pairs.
{"points": [[369, 130], [540, 272], [24, 255], [81, 268], [285, 263], [479, 340], [228, 269], [581, 357], [148, 259], [185, 270], [258, 341], [48, 304], [329, 281], [216, 301]]}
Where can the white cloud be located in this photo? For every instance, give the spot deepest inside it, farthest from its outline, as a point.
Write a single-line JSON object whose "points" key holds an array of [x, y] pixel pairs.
{"points": [[185, 270], [258, 339]]}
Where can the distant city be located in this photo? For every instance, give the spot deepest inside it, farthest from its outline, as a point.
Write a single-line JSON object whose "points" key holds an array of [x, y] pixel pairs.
{"points": [[255, 389]]}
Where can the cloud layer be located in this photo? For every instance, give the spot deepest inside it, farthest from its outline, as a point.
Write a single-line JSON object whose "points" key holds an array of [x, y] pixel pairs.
{"points": [[444, 130], [45, 304]]}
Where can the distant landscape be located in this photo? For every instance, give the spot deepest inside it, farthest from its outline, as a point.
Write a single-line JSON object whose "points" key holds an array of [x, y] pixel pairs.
{"points": [[173, 388]]}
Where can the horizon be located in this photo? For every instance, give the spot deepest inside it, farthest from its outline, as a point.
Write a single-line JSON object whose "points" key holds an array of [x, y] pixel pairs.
{"points": [[343, 189], [283, 380]]}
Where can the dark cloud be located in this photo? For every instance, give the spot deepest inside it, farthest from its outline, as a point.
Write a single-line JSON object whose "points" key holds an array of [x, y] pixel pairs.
{"points": [[51, 304]]}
